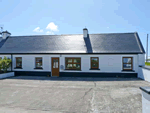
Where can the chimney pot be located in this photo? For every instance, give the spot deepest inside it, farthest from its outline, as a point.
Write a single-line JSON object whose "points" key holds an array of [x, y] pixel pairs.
{"points": [[85, 32], [5, 34]]}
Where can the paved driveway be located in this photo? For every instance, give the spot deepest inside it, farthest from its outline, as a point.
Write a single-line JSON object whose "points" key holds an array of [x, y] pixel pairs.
{"points": [[24, 94]]}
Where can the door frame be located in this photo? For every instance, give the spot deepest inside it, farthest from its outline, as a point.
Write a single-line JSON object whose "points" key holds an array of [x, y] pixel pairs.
{"points": [[52, 65]]}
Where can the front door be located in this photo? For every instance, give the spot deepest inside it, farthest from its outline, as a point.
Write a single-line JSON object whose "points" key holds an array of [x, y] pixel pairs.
{"points": [[55, 67]]}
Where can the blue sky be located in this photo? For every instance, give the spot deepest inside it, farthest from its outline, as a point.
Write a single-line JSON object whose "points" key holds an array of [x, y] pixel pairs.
{"points": [[40, 17]]}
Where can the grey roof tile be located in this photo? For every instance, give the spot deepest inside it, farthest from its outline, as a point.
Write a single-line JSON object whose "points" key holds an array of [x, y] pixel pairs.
{"points": [[95, 43]]}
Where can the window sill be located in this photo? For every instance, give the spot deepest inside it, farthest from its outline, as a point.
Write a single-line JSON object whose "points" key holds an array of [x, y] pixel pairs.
{"points": [[128, 70], [38, 68], [18, 68], [72, 70], [94, 69]]}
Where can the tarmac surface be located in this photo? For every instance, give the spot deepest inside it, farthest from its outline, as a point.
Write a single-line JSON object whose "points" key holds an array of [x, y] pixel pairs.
{"points": [[28, 94]]}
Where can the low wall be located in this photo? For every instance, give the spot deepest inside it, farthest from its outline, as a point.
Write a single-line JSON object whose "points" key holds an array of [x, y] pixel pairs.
{"points": [[144, 73], [145, 99], [5, 75]]}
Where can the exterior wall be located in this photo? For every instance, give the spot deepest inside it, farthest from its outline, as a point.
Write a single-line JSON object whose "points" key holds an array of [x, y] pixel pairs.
{"points": [[28, 62], [107, 63], [5, 35], [145, 102], [144, 73], [85, 33], [141, 59], [5, 75]]}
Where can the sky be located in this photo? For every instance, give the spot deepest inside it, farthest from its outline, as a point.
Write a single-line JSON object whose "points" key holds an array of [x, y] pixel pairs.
{"points": [[56, 17]]}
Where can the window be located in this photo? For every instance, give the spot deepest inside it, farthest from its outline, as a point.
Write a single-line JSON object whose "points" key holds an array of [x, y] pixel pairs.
{"points": [[19, 62], [73, 63], [94, 63], [127, 63], [38, 62]]}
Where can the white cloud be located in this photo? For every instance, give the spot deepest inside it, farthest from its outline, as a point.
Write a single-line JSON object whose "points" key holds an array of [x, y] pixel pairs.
{"points": [[49, 33], [51, 26], [107, 27], [38, 30]]}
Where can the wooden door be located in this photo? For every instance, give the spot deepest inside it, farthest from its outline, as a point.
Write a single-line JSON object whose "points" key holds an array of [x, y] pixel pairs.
{"points": [[55, 67]]}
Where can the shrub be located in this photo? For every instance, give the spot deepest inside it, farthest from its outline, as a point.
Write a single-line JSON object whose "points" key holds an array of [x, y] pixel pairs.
{"points": [[0, 65], [5, 63]]}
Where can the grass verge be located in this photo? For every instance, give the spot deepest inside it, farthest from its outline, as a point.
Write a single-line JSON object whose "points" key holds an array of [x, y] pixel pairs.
{"points": [[147, 63]]}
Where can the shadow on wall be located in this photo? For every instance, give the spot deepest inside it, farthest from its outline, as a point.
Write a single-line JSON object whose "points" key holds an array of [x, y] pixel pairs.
{"points": [[144, 73], [73, 78]]}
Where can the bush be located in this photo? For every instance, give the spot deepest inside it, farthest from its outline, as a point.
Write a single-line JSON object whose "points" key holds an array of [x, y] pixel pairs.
{"points": [[5, 64], [0, 65]]}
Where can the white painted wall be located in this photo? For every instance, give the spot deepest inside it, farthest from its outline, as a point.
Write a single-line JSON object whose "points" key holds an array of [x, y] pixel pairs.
{"points": [[144, 74], [5, 35], [28, 62], [141, 60], [107, 63], [115, 64], [8, 56], [5, 75], [145, 102], [85, 33]]}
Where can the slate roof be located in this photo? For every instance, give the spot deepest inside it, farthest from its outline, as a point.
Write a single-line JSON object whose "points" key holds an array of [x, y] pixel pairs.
{"points": [[95, 43]]}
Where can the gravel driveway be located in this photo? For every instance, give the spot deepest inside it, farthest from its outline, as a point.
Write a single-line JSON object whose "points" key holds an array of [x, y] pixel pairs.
{"points": [[25, 94]]}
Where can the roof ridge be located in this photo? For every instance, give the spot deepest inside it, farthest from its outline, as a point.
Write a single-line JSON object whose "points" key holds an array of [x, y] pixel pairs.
{"points": [[73, 34], [113, 33]]}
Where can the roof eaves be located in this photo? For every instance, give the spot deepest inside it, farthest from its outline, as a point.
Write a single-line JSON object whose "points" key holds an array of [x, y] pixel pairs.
{"points": [[139, 42]]}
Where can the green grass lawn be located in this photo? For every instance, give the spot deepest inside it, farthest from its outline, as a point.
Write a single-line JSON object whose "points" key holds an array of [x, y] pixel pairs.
{"points": [[147, 63]]}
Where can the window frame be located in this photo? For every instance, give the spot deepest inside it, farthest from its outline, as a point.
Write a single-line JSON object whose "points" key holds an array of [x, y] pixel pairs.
{"points": [[16, 62], [38, 62], [127, 63], [95, 62], [72, 63]]}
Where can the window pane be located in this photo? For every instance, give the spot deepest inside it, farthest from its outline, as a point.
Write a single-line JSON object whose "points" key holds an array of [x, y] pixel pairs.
{"points": [[94, 65], [78, 66], [74, 65], [56, 63], [69, 66], [77, 60], [69, 60], [19, 60], [126, 66], [38, 64], [126, 60], [19, 64], [94, 59], [38, 59]]}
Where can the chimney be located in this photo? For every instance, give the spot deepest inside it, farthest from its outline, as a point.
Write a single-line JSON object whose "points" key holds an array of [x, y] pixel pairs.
{"points": [[85, 32], [5, 34], [1, 30]]}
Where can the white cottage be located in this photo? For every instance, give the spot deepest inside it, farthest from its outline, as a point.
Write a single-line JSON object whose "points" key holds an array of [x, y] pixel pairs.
{"points": [[76, 55]]}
